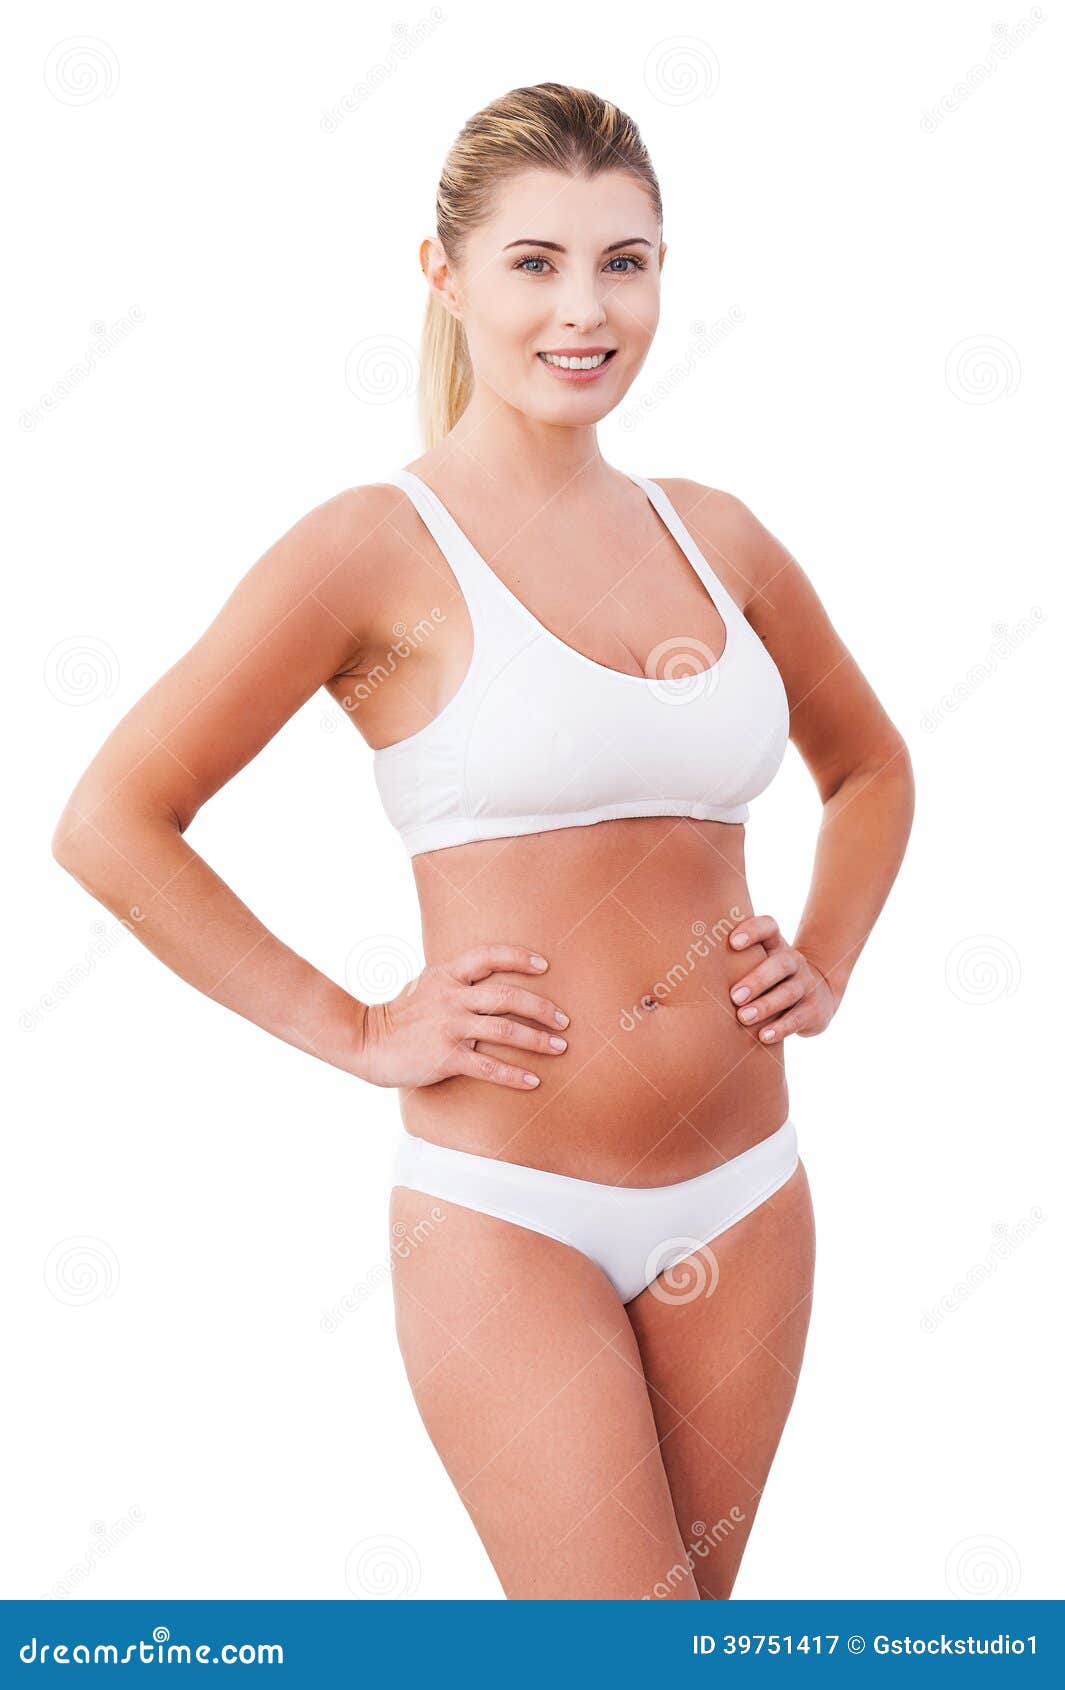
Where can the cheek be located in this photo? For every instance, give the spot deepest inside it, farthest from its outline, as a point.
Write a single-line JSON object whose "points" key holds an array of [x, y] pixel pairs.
{"points": [[504, 340], [637, 312]]}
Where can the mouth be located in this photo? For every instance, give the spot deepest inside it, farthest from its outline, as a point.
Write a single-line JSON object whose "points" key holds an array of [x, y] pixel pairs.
{"points": [[593, 359], [577, 369]]}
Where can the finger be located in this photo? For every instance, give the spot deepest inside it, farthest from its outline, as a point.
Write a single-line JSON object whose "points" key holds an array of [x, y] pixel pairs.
{"points": [[754, 929], [501, 1030], [793, 1022], [772, 1003], [480, 960], [516, 1000], [480, 1066], [779, 965]]}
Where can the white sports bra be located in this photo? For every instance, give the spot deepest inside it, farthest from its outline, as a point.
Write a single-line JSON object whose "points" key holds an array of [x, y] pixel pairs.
{"points": [[539, 736]]}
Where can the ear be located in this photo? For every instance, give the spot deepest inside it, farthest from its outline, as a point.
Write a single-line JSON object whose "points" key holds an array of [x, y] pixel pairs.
{"points": [[436, 268]]}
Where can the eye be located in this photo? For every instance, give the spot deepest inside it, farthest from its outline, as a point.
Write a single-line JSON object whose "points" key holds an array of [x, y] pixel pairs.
{"points": [[617, 258]]}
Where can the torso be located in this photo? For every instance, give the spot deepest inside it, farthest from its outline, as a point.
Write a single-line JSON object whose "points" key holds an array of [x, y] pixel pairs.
{"points": [[630, 913]]}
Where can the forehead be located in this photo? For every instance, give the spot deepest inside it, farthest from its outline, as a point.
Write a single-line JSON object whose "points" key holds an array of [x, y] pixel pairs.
{"points": [[577, 211]]}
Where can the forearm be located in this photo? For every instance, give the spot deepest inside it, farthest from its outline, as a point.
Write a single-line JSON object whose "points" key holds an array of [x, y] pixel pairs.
{"points": [[863, 835], [151, 879]]}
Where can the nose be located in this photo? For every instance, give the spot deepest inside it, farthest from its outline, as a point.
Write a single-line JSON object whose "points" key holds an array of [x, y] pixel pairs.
{"points": [[583, 309]]}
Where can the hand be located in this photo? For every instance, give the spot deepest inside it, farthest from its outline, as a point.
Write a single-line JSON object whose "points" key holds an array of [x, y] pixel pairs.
{"points": [[786, 991], [430, 1031]]}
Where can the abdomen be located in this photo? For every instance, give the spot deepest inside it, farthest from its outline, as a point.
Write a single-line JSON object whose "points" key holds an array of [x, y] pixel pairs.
{"points": [[660, 1081]]}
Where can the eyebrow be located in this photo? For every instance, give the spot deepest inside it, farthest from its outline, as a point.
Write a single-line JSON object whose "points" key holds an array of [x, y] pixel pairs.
{"points": [[554, 246]]}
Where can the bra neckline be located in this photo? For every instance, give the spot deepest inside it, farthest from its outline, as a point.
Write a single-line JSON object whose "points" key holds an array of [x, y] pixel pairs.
{"points": [[708, 677]]}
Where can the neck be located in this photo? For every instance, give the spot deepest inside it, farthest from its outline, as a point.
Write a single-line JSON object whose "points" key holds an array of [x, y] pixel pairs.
{"points": [[492, 441]]}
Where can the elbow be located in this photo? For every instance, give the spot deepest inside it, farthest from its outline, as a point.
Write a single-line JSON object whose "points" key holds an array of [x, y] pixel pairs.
{"points": [[903, 763], [894, 766], [86, 836], [901, 773], [909, 767], [68, 830], [888, 762], [99, 841], [890, 756]]}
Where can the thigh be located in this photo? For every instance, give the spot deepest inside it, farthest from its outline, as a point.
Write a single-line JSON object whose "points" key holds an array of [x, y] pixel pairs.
{"points": [[721, 1338], [527, 1376]]}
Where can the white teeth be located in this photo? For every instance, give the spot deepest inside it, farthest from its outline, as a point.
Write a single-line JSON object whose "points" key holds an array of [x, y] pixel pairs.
{"points": [[575, 363]]}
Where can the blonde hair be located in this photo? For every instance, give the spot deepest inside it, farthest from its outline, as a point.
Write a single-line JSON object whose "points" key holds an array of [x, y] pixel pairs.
{"points": [[551, 127]]}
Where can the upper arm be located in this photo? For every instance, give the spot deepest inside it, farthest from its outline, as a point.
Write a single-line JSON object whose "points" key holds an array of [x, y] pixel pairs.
{"points": [[837, 722], [289, 624]]}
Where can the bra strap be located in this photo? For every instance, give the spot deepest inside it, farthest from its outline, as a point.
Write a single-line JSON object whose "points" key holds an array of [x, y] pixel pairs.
{"points": [[713, 583], [460, 554]]}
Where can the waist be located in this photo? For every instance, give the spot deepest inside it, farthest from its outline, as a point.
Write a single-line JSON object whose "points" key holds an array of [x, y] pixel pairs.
{"points": [[660, 1080], [460, 1177], [666, 1111]]}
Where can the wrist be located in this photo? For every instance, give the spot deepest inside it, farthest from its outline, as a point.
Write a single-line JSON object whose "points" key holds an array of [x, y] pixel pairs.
{"points": [[836, 987], [361, 1064], [372, 1026], [835, 978], [337, 1030]]}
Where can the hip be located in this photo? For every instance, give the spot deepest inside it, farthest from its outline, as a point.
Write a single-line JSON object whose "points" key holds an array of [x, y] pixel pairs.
{"points": [[633, 1233]]}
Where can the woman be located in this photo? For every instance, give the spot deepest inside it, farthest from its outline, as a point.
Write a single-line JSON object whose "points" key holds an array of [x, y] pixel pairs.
{"points": [[605, 1316]]}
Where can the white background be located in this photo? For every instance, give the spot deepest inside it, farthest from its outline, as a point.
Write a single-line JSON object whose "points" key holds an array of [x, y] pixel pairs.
{"points": [[244, 189]]}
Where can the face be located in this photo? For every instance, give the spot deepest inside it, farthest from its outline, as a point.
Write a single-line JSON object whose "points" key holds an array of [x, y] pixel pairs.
{"points": [[564, 266]]}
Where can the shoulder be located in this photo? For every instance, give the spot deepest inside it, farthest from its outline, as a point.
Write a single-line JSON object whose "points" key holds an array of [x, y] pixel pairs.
{"points": [[355, 515], [695, 495], [709, 505], [376, 514], [354, 534], [728, 531], [345, 555], [382, 565], [342, 528]]}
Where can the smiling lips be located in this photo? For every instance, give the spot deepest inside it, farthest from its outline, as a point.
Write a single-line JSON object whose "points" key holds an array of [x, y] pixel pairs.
{"points": [[584, 364]]}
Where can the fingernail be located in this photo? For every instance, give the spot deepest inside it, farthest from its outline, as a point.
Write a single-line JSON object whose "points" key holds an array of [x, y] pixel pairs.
{"points": [[563, 1020], [748, 1014], [739, 939], [538, 961], [531, 1079], [769, 1033], [741, 994], [557, 1044]]}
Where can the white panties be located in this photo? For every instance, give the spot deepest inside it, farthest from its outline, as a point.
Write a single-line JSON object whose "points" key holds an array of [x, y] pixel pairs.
{"points": [[633, 1232]]}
